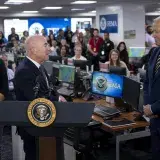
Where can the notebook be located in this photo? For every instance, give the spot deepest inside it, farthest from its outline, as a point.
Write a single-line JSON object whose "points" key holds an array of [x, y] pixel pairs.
{"points": [[118, 122]]}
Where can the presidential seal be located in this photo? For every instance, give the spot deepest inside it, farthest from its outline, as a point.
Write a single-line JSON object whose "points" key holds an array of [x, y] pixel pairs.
{"points": [[41, 112]]}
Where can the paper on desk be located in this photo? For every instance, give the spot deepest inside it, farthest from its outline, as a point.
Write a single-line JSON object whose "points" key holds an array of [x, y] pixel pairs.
{"points": [[146, 118]]}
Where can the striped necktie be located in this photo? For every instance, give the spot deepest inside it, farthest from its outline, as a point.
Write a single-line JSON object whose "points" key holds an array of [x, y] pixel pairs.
{"points": [[157, 65]]}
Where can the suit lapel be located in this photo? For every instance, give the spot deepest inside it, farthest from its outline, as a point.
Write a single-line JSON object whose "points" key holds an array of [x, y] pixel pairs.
{"points": [[33, 67], [37, 72]]}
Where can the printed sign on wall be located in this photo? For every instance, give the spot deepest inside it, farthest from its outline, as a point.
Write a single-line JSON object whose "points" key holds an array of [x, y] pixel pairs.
{"points": [[108, 23]]}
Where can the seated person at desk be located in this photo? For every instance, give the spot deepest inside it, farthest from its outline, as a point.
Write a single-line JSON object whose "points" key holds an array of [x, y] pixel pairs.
{"points": [[114, 60], [54, 48], [78, 53], [63, 52], [123, 53]]}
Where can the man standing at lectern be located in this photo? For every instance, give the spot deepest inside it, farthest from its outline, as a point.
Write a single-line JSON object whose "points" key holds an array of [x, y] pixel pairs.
{"points": [[152, 92], [28, 74]]}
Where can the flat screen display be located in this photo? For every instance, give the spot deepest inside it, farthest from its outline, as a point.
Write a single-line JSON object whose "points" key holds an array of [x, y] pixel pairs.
{"points": [[137, 52], [106, 84]]}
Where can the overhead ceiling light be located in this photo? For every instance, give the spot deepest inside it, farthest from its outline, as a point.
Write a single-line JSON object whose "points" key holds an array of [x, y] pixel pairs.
{"points": [[52, 8], [77, 9], [83, 2], [93, 11], [19, 1], [4, 7], [30, 11]]}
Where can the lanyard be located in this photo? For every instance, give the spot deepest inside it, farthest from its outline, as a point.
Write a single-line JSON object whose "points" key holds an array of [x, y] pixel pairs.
{"points": [[95, 41]]}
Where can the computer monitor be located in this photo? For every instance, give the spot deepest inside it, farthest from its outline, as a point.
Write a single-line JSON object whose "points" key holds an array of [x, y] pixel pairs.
{"points": [[81, 63], [131, 92], [48, 65], [106, 84], [117, 70], [55, 59], [137, 52], [67, 74], [55, 69]]}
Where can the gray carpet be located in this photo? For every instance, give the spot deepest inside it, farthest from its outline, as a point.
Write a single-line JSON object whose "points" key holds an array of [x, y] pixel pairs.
{"points": [[105, 154], [6, 145]]}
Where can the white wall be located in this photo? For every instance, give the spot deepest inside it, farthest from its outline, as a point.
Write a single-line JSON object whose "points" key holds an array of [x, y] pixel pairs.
{"points": [[130, 17], [1, 24], [134, 19], [116, 37]]}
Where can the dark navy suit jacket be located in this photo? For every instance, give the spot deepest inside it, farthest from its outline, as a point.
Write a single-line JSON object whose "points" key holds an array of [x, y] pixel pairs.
{"points": [[26, 79], [3, 80], [152, 84]]}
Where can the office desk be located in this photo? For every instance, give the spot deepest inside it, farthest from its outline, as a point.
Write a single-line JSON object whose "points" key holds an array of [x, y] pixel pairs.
{"points": [[122, 133]]}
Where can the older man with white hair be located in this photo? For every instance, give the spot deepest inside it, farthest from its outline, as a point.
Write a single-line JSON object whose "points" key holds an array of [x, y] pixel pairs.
{"points": [[29, 71], [152, 92]]}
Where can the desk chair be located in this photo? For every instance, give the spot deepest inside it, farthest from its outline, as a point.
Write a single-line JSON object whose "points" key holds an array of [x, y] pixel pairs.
{"points": [[83, 141]]}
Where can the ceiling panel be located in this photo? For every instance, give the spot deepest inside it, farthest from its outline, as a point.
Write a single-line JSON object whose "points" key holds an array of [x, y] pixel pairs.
{"points": [[150, 5]]}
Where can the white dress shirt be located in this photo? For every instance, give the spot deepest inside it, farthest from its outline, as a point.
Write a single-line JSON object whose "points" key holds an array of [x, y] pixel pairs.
{"points": [[81, 58], [10, 74], [150, 40], [36, 63]]}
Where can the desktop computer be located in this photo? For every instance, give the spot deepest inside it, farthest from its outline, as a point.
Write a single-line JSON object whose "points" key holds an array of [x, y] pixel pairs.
{"points": [[67, 74], [107, 84], [137, 52], [131, 92], [110, 85], [118, 70], [67, 77], [82, 64], [55, 59]]}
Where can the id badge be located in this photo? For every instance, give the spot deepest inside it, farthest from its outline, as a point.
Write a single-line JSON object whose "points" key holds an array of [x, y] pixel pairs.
{"points": [[94, 49], [102, 53]]}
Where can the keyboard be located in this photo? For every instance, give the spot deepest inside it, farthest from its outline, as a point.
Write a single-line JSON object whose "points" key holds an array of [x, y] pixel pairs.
{"points": [[108, 111], [83, 73], [65, 91]]}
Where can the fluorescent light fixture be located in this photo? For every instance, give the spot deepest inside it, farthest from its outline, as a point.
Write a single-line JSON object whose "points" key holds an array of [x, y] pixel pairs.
{"points": [[77, 9], [30, 11], [93, 11], [83, 2], [153, 13], [4, 7], [20, 1], [12, 3], [52, 8]]}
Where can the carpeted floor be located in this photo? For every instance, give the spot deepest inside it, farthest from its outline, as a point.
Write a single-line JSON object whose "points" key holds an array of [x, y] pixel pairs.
{"points": [[105, 154]]}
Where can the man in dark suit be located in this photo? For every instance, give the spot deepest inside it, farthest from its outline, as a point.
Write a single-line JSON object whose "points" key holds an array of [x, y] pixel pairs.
{"points": [[29, 72], [3, 91], [152, 93], [3, 81]]}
